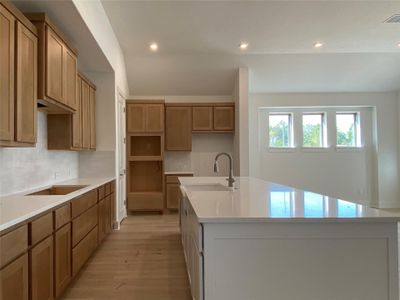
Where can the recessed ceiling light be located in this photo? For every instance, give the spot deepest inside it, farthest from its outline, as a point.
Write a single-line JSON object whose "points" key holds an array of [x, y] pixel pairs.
{"points": [[243, 45], [398, 45], [153, 47], [318, 45]]}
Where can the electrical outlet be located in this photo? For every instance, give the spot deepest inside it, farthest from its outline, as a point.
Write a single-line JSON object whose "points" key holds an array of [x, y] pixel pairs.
{"points": [[57, 175]]}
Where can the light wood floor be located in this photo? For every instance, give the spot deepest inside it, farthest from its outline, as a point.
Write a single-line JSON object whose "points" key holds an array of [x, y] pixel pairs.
{"points": [[143, 260]]}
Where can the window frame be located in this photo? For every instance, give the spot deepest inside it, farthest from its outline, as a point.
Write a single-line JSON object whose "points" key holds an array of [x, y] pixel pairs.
{"points": [[357, 131], [291, 146], [323, 134]]}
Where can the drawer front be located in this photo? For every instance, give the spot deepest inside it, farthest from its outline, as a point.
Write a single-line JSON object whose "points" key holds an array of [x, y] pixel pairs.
{"points": [[82, 252], [108, 189], [13, 244], [83, 203], [62, 216], [41, 228], [101, 193], [174, 178], [83, 224], [138, 201]]}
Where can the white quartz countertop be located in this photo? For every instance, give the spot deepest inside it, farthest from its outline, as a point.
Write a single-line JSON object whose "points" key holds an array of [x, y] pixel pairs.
{"points": [[256, 200], [15, 209]]}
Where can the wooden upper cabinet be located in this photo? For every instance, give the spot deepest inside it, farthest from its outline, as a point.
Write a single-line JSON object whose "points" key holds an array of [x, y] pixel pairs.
{"points": [[77, 117], [70, 75], [54, 66], [57, 67], [26, 91], [14, 280], [155, 118], [85, 106], [178, 131], [202, 118], [92, 115], [142, 118], [7, 49], [18, 78], [224, 118]]}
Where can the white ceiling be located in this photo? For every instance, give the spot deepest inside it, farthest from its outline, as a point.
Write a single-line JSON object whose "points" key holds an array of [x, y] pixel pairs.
{"points": [[198, 53]]}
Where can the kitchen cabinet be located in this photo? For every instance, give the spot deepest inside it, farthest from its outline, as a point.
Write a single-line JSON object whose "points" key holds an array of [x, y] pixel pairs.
{"points": [[82, 252], [41, 270], [178, 128], [172, 190], [14, 280], [76, 131], [202, 118], [18, 78], [224, 118], [102, 220], [57, 67], [62, 259], [144, 117]]}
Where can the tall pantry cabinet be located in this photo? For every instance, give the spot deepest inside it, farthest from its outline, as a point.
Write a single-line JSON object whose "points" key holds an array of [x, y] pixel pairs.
{"points": [[18, 78]]}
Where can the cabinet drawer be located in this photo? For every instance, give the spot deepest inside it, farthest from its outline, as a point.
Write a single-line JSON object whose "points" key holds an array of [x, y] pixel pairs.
{"points": [[82, 252], [13, 244], [62, 216], [101, 192], [145, 201], [83, 224], [82, 203], [41, 228], [108, 189]]}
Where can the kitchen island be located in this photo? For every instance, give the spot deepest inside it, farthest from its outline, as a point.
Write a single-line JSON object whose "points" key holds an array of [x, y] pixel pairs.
{"points": [[267, 241]]}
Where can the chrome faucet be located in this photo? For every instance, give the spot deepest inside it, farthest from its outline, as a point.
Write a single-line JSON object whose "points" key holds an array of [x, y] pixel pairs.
{"points": [[230, 180]]}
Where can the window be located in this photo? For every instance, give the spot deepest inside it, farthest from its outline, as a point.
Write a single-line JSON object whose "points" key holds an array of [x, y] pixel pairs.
{"points": [[313, 130], [280, 132], [347, 130]]}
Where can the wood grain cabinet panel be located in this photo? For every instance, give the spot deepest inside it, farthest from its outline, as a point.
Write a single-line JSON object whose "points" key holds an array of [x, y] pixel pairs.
{"points": [[14, 280], [102, 230], [82, 252], [77, 117], [85, 104], [178, 131], [26, 91], [92, 116], [83, 224], [154, 117], [69, 79], [13, 244], [41, 270], [136, 117], [62, 259], [62, 216], [83, 203], [41, 228], [7, 67], [224, 118], [173, 195], [54, 66], [202, 118]]}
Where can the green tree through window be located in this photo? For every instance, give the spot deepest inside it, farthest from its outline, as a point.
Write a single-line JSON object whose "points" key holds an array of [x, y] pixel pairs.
{"points": [[279, 130], [312, 130]]}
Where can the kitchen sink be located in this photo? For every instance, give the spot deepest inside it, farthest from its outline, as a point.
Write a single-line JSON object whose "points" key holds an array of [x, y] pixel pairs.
{"points": [[58, 190], [211, 187]]}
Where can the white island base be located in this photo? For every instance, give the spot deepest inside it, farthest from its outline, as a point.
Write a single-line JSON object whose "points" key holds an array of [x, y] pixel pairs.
{"points": [[233, 254]]}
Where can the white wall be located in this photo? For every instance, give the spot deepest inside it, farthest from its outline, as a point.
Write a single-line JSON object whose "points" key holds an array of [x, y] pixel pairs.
{"points": [[367, 176], [25, 168]]}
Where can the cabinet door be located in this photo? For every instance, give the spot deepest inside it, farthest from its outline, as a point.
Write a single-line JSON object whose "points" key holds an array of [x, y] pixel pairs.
{"points": [[77, 118], [54, 66], [41, 270], [7, 32], [173, 195], [224, 118], [85, 115], [69, 79], [178, 128], [62, 259], [202, 118], [136, 118], [108, 214], [14, 282], [92, 114], [26, 91], [154, 117], [102, 220], [113, 210]]}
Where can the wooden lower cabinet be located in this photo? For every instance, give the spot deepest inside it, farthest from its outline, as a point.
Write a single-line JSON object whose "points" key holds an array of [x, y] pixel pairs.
{"points": [[82, 251], [41, 270], [14, 280], [62, 259], [102, 220], [172, 194]]}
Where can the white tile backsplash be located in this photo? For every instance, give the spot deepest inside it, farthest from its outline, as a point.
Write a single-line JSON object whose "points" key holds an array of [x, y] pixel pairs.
{"points": [[25, 168]]}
